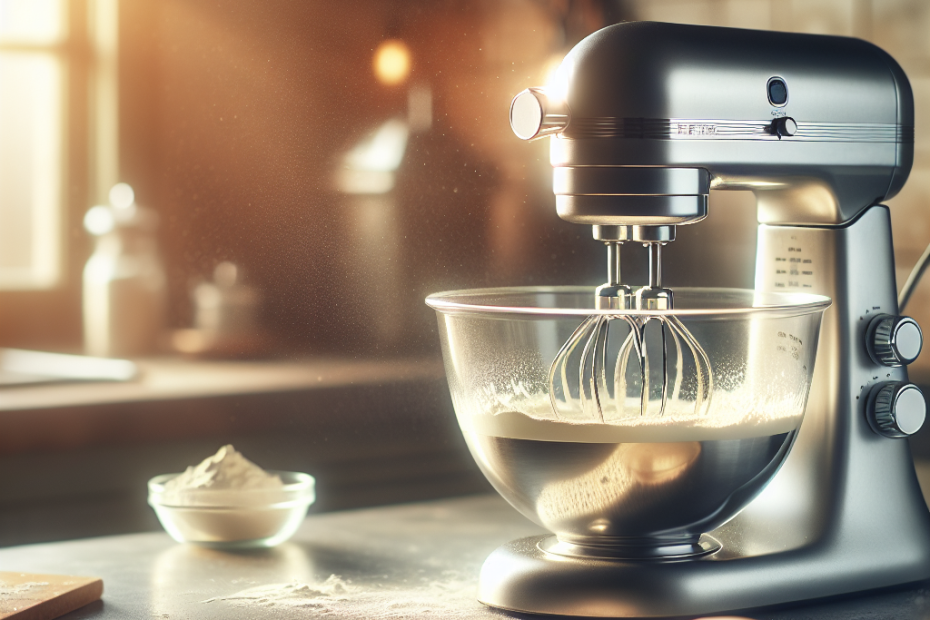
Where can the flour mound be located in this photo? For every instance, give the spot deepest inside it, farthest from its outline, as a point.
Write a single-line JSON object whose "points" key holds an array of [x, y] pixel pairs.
{"points": [[227, 469]]}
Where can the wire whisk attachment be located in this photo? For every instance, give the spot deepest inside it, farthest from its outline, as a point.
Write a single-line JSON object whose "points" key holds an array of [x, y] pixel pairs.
{"points": [[607, 369]]}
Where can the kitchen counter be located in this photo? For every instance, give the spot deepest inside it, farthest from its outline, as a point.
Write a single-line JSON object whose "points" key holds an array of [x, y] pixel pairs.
{"points": [[407, 561], [172, 378], [67, 415]]}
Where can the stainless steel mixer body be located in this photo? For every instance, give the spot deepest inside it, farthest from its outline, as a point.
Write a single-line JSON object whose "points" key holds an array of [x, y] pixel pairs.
{"points": [[821, 130]]}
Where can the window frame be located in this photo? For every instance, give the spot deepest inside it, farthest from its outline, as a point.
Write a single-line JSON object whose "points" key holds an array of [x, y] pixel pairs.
{"points": [[50, 318]]}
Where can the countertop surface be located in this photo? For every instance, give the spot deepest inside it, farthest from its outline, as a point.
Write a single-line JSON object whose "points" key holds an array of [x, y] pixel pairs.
{"points": [[408, 561], [173, 378]]}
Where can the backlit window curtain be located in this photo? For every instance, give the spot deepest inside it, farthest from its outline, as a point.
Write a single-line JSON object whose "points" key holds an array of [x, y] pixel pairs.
{"points": [[33, 45]]}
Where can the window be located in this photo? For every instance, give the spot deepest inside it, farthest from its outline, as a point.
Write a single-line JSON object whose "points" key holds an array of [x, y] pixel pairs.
{"points": [[58, 156], [33, 43]]}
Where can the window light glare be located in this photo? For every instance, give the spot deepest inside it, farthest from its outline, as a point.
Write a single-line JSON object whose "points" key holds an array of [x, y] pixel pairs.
{"points": [[99, 220], [369, 167], [556, 78], [31, 21], [392, 62], [122, 196], [383, 150]]}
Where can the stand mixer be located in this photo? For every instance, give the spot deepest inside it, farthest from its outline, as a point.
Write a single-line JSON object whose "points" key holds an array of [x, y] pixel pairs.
{"points": [[651, 117]]}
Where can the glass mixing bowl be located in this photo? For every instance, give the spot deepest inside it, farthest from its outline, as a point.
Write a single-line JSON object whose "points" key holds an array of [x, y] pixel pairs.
{"points": [[654, 427]]}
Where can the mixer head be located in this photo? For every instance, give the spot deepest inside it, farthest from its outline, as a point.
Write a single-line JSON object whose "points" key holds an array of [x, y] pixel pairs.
{"points": [[647, 117]]}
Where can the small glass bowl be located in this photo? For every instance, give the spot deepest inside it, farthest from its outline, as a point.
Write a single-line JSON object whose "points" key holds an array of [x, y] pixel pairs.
{"points": [[234, 518]]}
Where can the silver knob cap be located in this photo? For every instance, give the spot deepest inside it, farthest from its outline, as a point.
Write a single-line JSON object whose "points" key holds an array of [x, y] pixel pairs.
{"points": [[534, 114], [894, 340], [896, 409]]}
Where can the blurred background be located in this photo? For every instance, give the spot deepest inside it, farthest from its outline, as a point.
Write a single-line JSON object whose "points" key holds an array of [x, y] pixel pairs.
{"points": [[251, 200]]}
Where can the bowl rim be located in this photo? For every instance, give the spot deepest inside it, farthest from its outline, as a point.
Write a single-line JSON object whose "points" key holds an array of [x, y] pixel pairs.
{"points": [[301, 491], [778, 303]]}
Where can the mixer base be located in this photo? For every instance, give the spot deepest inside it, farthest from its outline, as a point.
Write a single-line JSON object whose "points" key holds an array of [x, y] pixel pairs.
{"points": [[521, 577]]}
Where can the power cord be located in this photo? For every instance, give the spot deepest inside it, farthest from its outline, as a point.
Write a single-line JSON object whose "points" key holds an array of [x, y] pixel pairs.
{"points": [[905, 295]]}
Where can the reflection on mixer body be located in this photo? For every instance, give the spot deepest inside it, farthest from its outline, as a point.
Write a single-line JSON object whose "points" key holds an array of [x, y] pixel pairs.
{"points": [[628, 490]]}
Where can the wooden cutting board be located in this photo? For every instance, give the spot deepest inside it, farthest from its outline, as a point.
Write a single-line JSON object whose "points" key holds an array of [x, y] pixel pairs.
{"points": [[27, 596]]}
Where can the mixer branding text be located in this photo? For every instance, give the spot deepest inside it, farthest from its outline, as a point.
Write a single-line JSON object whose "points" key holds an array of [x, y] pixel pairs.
{"points": [[685, 129]]}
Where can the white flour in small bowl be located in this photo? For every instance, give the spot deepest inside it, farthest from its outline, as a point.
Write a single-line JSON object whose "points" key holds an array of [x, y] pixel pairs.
{"points": [[229, 501], [225, 470]]}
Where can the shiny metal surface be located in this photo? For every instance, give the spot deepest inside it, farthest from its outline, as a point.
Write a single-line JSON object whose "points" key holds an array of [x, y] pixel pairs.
{"points": [[533, 114], [841, 478], [653, 234], [894, 340], [701, 101], [611, 233], [844, 513], [644, 196], [629, 500], [896, 409], [612, 294], [631, 209]]}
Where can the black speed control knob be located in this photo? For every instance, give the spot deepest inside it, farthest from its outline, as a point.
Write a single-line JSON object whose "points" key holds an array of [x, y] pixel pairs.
{"points": [[784, 127], [894, 340], [896, 409]]}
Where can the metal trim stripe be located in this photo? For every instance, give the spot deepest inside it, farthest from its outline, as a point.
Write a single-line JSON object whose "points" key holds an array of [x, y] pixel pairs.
{"points": [[711, 129]]}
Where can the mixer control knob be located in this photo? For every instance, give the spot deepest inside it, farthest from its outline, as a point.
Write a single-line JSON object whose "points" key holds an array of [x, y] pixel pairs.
{"points": [[784, 126], [894, 340], [534, 114], [896, 409]]}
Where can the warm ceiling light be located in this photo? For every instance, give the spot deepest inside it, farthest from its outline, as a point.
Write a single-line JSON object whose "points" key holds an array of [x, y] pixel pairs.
{"points": [[392, 62]]}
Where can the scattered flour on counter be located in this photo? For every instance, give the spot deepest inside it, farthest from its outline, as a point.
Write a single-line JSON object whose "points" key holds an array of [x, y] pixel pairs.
{"points": [[227, 469], [293, 594], [450, 598], [9, 591]]}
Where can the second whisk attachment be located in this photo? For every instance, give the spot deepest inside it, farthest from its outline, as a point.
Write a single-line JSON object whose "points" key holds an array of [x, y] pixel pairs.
{"points": [[605, 370]]}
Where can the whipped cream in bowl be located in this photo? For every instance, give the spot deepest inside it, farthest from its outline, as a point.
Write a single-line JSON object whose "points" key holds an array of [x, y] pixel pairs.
{"points": [[227, 501]]}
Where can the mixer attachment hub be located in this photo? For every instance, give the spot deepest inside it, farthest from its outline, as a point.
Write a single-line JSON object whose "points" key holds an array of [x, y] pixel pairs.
{"points": [[653, 234], [611, 233], [613, 295], [648, 298]]}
